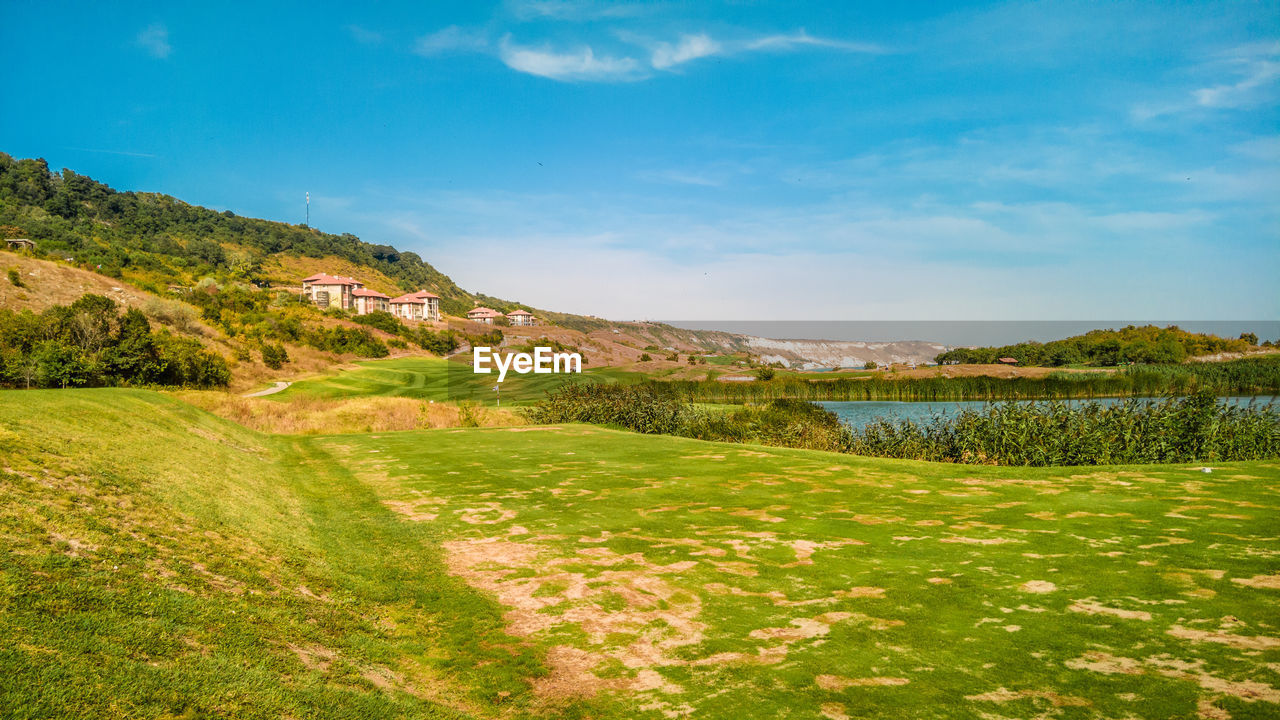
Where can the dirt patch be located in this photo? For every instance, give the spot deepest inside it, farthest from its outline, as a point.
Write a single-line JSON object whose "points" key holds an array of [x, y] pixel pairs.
{"points": [[836, 683], [314, 657], [1037, 586], [415, 510], [1169, 667], [1240, 642], [490, 514], [834, 711], [635, 603], [1089, 606], [1265, 582]]}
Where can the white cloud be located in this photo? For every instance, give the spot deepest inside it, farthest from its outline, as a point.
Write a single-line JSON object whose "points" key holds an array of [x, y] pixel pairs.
{"points": [[1252, 71], [155, 40], [450, 39], [690, 47], [803, 39], [580, 65]]}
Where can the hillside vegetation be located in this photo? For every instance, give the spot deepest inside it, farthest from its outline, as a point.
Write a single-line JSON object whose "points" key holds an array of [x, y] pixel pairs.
{"points": [[162, 563], [1147, 344]]}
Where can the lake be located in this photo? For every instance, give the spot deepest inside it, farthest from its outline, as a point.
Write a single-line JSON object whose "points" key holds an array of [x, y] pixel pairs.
{"points": [[859, 413]]}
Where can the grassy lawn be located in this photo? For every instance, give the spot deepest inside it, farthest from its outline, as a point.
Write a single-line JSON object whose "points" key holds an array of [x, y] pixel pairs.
{"points": [[160, 561], [437, 379]]}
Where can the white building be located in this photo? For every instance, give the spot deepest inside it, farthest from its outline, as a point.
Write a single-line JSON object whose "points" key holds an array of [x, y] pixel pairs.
{"points": [[330, 290], [520, 318], [483, 314], [367, 301], [421, 305]]}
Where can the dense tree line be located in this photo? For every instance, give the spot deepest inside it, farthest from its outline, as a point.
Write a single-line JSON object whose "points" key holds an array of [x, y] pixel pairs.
{"points": [[89, 343], [71, 215], [1143, 345]]}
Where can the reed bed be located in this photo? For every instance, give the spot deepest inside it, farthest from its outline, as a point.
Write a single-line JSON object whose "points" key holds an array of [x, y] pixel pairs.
{"points": [[1197, 428]]}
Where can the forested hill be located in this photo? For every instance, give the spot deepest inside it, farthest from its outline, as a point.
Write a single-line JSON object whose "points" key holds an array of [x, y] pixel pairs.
{"points": [[153, 239], [1140, 345]]}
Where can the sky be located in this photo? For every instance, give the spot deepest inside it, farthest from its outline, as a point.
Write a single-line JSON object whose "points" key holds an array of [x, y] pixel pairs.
{"points": [[705, 161]]}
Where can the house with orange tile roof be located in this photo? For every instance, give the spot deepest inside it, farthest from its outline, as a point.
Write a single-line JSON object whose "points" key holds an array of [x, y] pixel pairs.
{"points": [[330, 290], [421, 305], [520, 318], [367, 301], [483, 314]]}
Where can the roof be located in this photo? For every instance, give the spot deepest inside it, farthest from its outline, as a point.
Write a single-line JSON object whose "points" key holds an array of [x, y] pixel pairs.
{"points": [[417, 298], [519, 312], [482, 312], [366, 292], [323, 279], [1008, 360]]}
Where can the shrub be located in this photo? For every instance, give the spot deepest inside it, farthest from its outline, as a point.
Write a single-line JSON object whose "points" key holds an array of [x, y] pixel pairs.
{"points": [[765, 373], [177, 315], [383, 321], [274, 355], [645, 357], [15, 278]]}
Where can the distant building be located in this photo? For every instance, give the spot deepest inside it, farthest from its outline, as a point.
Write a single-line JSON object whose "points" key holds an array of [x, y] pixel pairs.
{"points": [[20, 244], [367, 301], [1009, 361], [520, 318], [330, 290], [421, 305], [483, 314]]}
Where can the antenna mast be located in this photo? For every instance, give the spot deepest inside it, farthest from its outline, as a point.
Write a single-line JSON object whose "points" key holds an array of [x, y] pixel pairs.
{"points": [[308, 208]]}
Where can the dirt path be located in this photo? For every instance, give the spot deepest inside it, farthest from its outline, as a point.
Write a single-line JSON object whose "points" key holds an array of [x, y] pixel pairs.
{"points": [[280, 385]]}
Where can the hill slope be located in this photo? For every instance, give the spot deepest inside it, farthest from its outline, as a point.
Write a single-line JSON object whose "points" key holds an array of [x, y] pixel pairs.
{"points": [[160, 562]]}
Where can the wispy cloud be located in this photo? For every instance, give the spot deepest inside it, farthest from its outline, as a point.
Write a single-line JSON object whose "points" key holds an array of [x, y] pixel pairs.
{"points": [[802, 39], [1252, 72], [364, 35], [451, 39], [689, 47], [576, 65], [155, 40]]}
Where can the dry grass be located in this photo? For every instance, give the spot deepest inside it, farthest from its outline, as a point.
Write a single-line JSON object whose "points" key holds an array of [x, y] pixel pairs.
{"points": [[319, 416]]}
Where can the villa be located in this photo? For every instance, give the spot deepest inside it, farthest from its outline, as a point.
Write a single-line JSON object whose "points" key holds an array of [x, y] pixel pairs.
{"points": [[330, 290], [421, 305], [483, 314], [520, 318], [367, 301]]}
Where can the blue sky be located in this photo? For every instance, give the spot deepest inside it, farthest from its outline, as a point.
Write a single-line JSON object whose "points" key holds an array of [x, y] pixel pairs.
{"points": [[742, 160]]}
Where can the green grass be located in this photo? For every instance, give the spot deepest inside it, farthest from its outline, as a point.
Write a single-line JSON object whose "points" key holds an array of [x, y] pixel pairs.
{"points": [[438, 379], [156, 558]]}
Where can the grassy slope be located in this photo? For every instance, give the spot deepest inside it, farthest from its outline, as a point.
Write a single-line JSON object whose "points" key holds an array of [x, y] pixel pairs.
{"points": [[437, 379], [159, 560]]}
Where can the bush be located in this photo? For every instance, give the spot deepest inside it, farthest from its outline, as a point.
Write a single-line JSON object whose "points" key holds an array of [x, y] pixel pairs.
{"points": [[177, 315], [274, 355], [645, 357], [383, 321], [765, 373], [15, 278]]}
